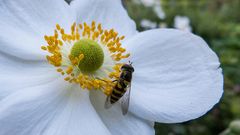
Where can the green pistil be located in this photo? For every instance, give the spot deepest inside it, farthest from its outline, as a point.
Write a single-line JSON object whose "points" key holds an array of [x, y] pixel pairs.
{"points": [[93, 55]]}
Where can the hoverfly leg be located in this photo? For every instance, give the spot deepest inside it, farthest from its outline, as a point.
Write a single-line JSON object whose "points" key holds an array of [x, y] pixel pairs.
{"points": [[107, 104], [105, 80], [114, 80]]}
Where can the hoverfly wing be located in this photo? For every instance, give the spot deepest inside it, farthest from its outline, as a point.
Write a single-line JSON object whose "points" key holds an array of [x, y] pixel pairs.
{"points": [[107, 104], [125, 100]]}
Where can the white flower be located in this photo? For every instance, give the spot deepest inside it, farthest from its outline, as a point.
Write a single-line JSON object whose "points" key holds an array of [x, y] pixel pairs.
{"points": [[159, 12], [149, 3], [162, 25], [177, 77], [157, 8], [182, 23], [148, 24], [155, 4]]}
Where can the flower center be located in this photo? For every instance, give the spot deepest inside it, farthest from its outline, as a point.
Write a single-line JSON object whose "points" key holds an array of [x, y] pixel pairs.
{"points": [[93, 55], [88, 55]]}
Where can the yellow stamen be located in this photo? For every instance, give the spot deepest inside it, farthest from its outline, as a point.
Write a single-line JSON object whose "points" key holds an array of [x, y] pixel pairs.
{"points": [[59, 70], [110, 39], [67, 78], [44, 48], [69, 70], [58, 27]]}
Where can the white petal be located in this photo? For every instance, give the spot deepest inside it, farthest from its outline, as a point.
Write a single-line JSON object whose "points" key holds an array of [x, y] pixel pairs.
{"points": [[16, 74], [51, 109], [116, 122], [108, 12], [25, 22], [177, 76]]}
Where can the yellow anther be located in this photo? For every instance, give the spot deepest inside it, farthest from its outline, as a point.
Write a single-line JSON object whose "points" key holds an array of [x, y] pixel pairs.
{"points": [[96, 34], [126, 56], [56, 42], [99, 27], [85, 24], [117, 59], [59, 70], [74, 25], [106, 33], [122, 37], [118, 44], [111, 31], [110, 44], [60, 42], [102, 37], [93, 23], [115, 35], [73, 28], [117, 40], [122, 50], [112, 49], [64, 37], [67, 78], [106, 39], [44, 48], [77, 36], [62, 31], [58, 27], [55, 34], [80, 26], [69, 70], [46, 38], [73, 37]]}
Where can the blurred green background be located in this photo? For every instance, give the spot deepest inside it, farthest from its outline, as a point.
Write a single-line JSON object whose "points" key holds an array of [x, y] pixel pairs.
{"points": [[218, 22]]}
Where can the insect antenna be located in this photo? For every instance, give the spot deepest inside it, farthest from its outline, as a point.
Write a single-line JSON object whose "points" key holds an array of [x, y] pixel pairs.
{"points": [[130, 62]]}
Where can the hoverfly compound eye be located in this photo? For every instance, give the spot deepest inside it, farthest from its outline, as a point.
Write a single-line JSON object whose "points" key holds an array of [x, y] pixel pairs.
{"points": [[125, 66], [132, 69]]}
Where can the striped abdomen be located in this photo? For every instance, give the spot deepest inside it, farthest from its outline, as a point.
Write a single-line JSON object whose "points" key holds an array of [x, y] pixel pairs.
{"points": [[118, 90], [121, 86]]}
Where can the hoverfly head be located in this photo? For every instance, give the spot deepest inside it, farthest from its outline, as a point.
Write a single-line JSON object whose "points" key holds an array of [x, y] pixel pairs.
{"points": [[128, 67]]}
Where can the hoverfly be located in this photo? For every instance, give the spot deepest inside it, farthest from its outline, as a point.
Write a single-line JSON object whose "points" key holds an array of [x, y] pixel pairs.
{"points": [[122, 89]]}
